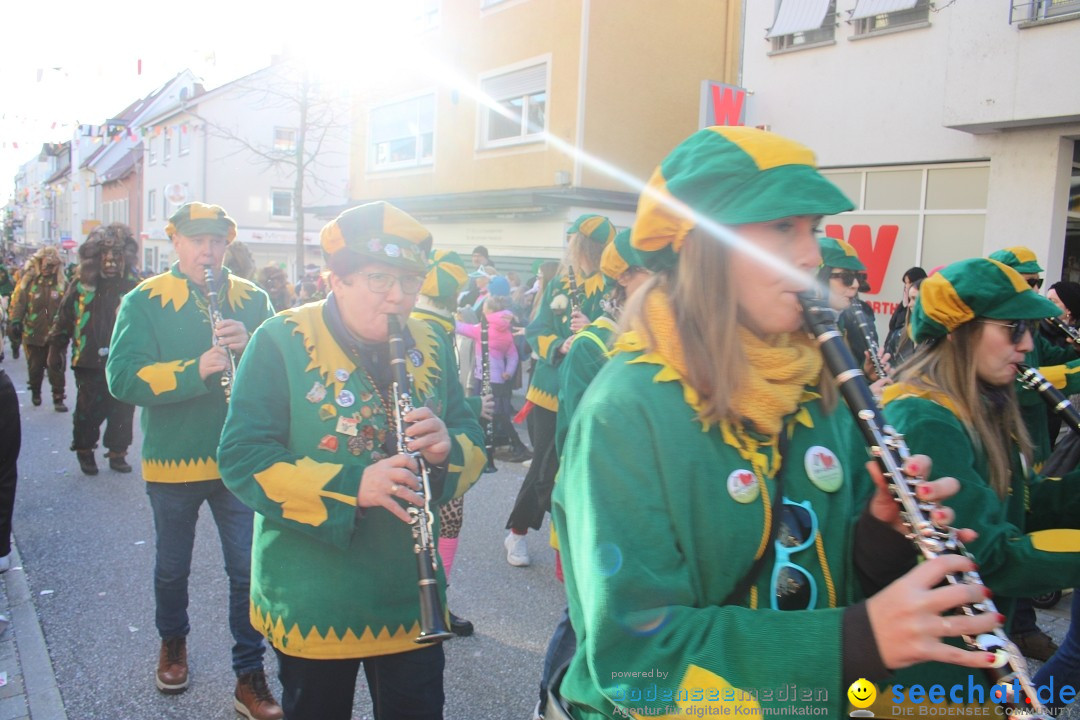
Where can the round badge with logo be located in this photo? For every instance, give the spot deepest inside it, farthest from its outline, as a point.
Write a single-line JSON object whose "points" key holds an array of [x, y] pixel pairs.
{"points": [[341, 375], [345, 398], [823, 468], [416, 357], [742, 486]]}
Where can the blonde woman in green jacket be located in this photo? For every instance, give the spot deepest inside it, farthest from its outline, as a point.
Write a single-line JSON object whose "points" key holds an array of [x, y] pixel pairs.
{"points": [[708, 435], [955, 400]]}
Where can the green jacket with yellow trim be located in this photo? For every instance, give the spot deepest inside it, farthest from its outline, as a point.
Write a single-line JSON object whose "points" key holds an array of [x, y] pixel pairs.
{"points": [[305, 422], [550, 328], [162, 328], [1019, 550], [658, 520], [444, 325], [1061, 367], [588, 354]]}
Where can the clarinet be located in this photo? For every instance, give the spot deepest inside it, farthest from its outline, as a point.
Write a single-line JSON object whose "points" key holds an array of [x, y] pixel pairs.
{"points": [[229, 372], [1072, 335], [1009, 672], [575, 292], [485, 390], [1032, 379], [868, 336], [432, 619]]}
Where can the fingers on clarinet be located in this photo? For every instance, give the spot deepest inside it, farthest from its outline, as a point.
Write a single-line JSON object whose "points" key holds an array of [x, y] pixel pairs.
{"points": [[917, 466], [875, 473], [951, 596], [965, 658], [405, 478], [398, 511], [937, 490], [932, 572]]}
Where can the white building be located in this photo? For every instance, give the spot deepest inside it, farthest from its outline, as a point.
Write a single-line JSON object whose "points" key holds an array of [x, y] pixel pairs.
{"points": [[952, 125], [231, 147]]}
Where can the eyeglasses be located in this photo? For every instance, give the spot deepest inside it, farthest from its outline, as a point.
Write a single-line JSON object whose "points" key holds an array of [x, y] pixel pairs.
{"points": [[794, 588], [849, 276], [1017, 328], [380, 282], [1035, 283]]}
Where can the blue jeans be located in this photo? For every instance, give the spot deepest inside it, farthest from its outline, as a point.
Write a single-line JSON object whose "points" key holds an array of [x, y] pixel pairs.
{"points": [[176, 509], [1064, 666], [560, 650]]}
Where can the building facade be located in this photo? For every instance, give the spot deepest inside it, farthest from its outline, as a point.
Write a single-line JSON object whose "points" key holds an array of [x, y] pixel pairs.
{"points": [[523, 114], [953, 126]]}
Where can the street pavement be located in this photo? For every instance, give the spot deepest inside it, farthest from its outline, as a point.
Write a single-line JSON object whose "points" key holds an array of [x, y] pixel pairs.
{"points": [[82, 645], [87, 549]]}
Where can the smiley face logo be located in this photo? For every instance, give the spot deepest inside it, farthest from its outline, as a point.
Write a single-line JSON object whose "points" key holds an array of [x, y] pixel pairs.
{"points": [[862, 693]]}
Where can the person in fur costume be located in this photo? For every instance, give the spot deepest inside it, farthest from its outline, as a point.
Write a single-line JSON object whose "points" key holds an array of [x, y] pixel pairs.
{"points": [[85, 320], [272, 279], [34, 305], [240, 262]]}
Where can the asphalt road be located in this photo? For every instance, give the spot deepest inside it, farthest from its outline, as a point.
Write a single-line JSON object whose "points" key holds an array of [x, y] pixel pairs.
{"points": [[87, 546]]}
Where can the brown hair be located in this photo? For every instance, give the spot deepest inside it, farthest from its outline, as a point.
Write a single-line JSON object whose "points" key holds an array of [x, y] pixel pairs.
{"points": [[702, 296], [583, 255], [548, 271], [949, 366]]}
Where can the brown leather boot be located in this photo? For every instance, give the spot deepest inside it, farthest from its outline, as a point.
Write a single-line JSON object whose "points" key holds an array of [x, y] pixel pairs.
{"points": [[253, 698], [172, 668]]}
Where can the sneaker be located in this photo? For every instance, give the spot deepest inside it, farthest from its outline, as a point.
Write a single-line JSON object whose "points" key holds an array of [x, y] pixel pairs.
{"points": [[87, 463], [1036, 645], [5, 565], [253, 698], [517, 552], [172, 668], [538, 713], [118, 463], [460, 626]]}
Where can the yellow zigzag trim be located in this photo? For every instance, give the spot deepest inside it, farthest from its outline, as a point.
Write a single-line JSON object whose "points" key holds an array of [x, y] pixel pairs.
{"points": [[475, 461], [239, 291], [427, 342], [329, 645], [543, 399], [168, 287], [171, 471], [325, 354]]}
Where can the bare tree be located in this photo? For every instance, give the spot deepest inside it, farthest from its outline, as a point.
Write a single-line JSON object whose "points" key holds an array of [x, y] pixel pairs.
{"points": [[322, 122]]}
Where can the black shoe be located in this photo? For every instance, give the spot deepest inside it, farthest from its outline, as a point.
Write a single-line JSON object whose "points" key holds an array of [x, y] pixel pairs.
{"points": [[460, 626], [35, 397], [15, 352], [86, 462], [519, 455], [1036, 645], [59, 406], [119, 463]]}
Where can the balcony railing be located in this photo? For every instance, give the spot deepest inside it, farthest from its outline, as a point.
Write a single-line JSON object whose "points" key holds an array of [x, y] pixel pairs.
{"points": [[1037, 10]]}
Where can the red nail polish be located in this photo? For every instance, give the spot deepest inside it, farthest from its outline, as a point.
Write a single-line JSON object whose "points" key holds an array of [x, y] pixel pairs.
{"points": [[923, 490], [1001, 619], [987, 592], [990, 658]]}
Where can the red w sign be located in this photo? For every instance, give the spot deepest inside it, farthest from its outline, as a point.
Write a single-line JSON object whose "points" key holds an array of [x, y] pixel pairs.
{"points": [[722, 104], [874, 254]]}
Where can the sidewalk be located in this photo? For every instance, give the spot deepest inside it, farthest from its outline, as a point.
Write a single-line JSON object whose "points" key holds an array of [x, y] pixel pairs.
{"points": [[30, 692]]}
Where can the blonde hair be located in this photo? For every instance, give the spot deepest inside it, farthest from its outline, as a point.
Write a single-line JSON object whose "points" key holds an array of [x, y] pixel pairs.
{"points": [[495, 303], [548, 272], [949, 366], [703, 298], [583, 255]]}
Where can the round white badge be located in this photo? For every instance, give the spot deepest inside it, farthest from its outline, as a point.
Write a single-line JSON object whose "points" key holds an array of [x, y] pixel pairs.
{"points": [[742, 486], [341, 375], [823, 468], [345, 398]]}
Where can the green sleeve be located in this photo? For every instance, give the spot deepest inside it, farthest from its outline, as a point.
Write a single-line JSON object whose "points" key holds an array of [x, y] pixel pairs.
{"points": [[315, 498], [547, 331], [1010, 561], [587, 355], [632, 597], [136, 371], [467, 457], [1049, 353], [1055, 502]]}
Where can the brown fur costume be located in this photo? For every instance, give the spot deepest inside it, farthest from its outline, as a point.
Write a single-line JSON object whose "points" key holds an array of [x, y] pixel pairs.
{"points": [[116, 236], [273, 280], [239, 260]]}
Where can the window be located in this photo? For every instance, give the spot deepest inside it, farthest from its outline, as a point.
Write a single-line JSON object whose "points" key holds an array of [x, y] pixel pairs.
{"points": [[872, 16], [166, 147], [803, 23], [115, 211], [281, 205], [284, 140], [403, 134], [521, 97], [151, 205], [183, 142], [1036, 10], [151, 147]]}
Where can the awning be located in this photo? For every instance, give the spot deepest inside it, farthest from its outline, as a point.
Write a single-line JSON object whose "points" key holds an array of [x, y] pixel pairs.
{"points": [[798, 16], [869, 8]]}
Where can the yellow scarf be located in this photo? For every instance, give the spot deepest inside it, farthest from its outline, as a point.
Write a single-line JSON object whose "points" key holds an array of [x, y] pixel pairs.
{"points": [[779, 367]]}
